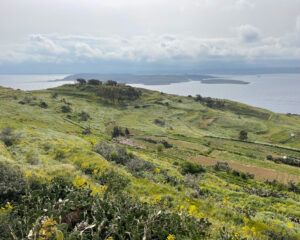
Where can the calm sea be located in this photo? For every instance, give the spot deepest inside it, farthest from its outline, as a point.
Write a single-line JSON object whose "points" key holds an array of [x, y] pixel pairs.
{"points": [[32, 82], [276, 92]]}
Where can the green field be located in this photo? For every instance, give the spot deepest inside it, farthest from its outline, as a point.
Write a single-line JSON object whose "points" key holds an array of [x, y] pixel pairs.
{"points": [[56, 133]]}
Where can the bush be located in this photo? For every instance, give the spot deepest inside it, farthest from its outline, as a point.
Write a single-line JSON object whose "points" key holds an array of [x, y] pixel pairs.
{"points": [[12, 183], [94, 82], [111, 83], [43, 104], [192, 168], [66, 109], [32, 159], [159, 122], [59, 154], [80, 215], [54, 95], [243, 135], [83, 116], [222, 166], [160, 147], [166, 144], [8, 136], [117, 131], [81, 81]]}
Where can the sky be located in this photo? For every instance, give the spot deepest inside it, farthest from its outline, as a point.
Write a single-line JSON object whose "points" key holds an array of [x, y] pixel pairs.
{"points": [[147, 36]]}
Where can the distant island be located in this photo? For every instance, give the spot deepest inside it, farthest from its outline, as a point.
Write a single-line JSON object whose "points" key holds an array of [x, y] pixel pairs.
{"points": [[153, 79], [223, 81]]}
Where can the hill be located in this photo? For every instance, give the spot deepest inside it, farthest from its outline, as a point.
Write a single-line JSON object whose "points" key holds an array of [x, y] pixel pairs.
{"points": [[108, 161]]}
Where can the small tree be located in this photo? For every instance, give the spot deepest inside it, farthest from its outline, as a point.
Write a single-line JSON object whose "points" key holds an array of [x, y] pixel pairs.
{"points": [[127, 133], [81, 81], [94, 82], [117, 131], [243, 135], [111, 83]]}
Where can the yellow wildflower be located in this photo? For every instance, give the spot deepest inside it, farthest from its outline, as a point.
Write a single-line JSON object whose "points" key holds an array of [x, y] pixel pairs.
{"points": [[171, 237], [192, 210], [289, 225], [79, 182], [47, 230]]}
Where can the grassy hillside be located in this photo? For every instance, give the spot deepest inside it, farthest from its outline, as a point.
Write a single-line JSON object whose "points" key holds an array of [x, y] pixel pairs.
{"points": [[180, 164]]}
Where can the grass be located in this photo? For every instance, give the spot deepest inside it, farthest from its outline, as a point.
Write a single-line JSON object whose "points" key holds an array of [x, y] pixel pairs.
{"points": [[60, 148]]}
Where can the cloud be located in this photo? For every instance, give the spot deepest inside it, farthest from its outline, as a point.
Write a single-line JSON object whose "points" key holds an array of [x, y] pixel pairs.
{"points": [[247, 46], [298, 23], [41, 43], [248, 33], [244, 4]]}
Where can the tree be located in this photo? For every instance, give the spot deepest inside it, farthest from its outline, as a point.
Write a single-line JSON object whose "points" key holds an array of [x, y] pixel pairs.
{"points": [[127, 133], [243, 135], [94, 82], [81, 81], [111, 83], [117, 131]]}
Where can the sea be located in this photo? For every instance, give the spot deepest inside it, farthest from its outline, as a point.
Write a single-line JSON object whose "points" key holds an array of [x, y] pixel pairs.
{"points": [[276, 92]]}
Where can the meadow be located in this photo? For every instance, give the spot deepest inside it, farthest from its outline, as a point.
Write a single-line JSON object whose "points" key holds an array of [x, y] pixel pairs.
{"points": [[89, 161]]}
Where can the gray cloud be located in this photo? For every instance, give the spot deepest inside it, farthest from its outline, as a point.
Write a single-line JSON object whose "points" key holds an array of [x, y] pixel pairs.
{"points": [[183, 32], [248, 33]]}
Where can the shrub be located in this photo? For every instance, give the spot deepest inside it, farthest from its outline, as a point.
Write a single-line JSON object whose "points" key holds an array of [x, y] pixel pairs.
{"points": [[111, 83], [243, 135], [159, 122], [83, 116], [54, 95], [66, 109], [32, 159], [269, 157], [12, 183], [222, 166], [59, 154], [166, 144], [87, 131], [138, 164], [190, 167], [80, 215], [43, 104], [117, 131], [81, 81], [94, 82], [160, 147], [8, 136]]}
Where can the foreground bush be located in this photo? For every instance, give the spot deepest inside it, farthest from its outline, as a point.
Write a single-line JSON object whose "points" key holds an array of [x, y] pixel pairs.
{"points": [[58, 208], [12, 183]]}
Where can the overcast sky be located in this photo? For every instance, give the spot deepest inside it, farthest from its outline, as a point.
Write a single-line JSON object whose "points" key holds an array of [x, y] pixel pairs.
{"points": [[56, 36]]}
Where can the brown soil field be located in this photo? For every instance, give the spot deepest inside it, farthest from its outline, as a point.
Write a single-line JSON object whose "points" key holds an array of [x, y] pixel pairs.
{"points": [[259, 172]]}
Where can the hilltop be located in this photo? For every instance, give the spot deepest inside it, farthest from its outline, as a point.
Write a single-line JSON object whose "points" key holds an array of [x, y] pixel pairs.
{"points": [[109, 161]]}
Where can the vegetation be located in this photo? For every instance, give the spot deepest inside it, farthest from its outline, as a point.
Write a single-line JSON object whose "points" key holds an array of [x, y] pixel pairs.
{"points": [[179, 169]]}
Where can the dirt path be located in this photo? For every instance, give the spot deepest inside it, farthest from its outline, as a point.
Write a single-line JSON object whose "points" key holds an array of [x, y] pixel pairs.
{"points": [[259, 172]]}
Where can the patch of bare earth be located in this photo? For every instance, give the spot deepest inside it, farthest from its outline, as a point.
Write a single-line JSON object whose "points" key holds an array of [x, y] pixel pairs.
{"points": [[207, 122], [259, 172], [125, 141]]}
